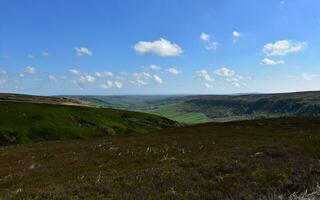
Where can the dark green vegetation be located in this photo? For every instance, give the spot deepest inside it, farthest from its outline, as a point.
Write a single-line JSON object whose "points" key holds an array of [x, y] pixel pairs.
{"points": [[196, 109], [234, 160], [30, 122]]}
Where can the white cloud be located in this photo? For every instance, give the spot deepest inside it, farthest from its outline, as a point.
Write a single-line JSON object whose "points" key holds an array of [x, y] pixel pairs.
{"points": [[173, 71], [283, 47], [204, 75], [143, 75], [140, 82], [21, 75], [157, 79], [223, 71], [83, 51], [235, 35], [46, 54], [267, 61], [52, 78], [212, 46], [160, 47], [140, 79], [107, 85], [230, 76], [235, 82], [143, 78], [205, 37], [152, 67], [118, 84], [104, 74], [30, 70], [208, 85], [86, 79], [74, 72], [146, 75]]}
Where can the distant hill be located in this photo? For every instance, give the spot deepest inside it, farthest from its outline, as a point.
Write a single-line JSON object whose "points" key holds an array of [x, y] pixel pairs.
{"points": [[7, 97], [22, 122], [205, 108]]}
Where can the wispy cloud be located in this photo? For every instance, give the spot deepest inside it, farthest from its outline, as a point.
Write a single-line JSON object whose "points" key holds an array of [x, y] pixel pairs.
{"points": [[209, 45], [157, 79], [268, 61], [74, 72], [205, 37], [52, 78], [142, 79], [30, 70], [83, 51], [235, 36], [173, 70], [104, 74], [208, 85], [30, 56], [230, 76], [283, 47], [110, 84], [223, 71], [152, 67], [204, 75]]}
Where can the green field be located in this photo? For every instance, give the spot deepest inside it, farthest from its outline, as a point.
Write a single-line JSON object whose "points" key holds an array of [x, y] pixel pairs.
{"points": [[29, 122], [174, 111]]}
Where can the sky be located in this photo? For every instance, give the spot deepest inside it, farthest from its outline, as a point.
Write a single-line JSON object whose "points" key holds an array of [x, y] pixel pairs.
{"points": [[117, 47]]}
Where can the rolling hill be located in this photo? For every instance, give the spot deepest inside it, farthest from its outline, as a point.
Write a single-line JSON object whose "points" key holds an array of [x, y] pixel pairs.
{"points": [[22, 122], [205, 108]]}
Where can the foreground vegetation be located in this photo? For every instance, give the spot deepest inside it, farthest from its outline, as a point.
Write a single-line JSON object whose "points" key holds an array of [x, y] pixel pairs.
{"points": [[261, 159], [31, 122]]}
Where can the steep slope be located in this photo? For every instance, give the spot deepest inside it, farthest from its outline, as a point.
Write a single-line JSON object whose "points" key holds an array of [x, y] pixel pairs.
{"points": [[30, 122]]}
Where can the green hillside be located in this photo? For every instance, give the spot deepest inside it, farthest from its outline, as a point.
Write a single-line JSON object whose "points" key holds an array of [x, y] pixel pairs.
{"points": [[204, 108], [30, 122]]}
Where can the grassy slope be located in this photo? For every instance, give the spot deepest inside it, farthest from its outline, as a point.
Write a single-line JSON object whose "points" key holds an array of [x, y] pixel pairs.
{"points": [[196, 109], [28, 122], [235, 160]]}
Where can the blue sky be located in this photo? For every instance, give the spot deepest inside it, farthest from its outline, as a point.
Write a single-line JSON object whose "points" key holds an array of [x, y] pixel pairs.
{"points": [[159, 47]]}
